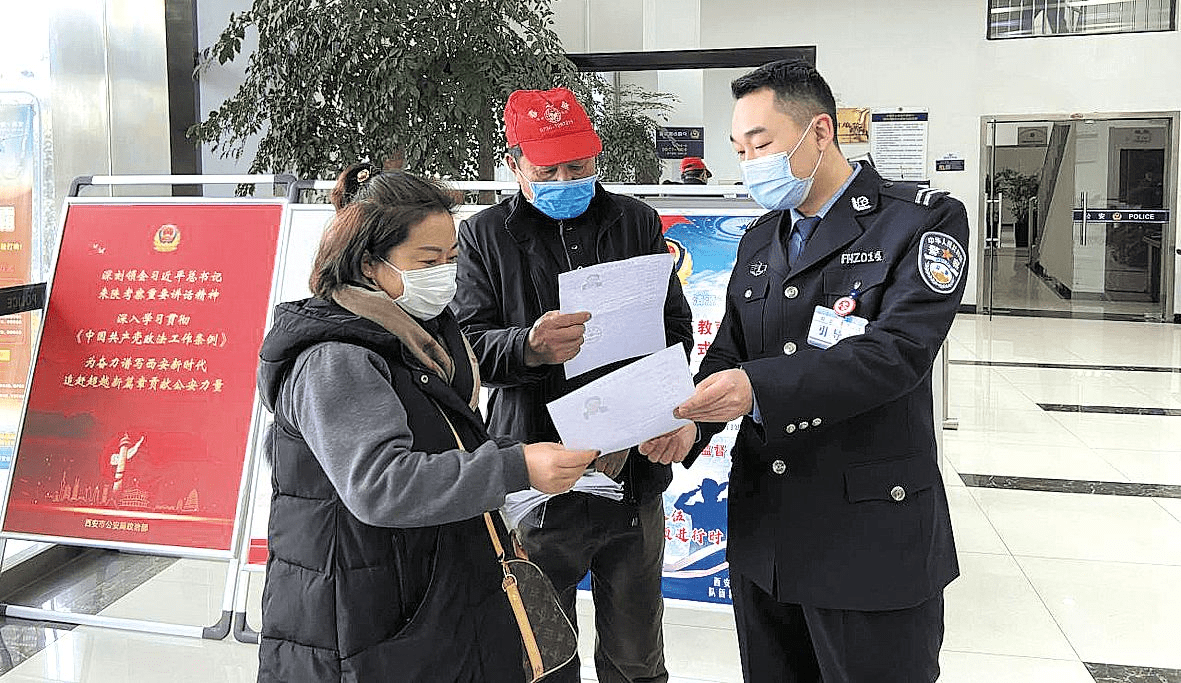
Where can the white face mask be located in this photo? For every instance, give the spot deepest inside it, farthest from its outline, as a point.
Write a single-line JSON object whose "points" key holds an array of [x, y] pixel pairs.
{"points": [[426, 291]]}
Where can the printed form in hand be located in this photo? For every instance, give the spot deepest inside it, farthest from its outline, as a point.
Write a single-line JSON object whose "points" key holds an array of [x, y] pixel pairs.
{"points": [[628, 406], [626, 303]]}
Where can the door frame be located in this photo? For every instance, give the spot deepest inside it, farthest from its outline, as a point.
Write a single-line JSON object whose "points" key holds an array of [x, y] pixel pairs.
{"points": [[1172, 183]]}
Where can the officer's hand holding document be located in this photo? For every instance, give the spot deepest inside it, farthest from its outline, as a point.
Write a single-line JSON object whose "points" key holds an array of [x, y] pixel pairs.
{"points": [[633, 404], [626, 303], [620, 410], [627, 407]]}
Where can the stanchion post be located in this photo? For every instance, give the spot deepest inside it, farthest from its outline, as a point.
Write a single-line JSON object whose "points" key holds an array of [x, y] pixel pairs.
{"points": [[951, 423]]}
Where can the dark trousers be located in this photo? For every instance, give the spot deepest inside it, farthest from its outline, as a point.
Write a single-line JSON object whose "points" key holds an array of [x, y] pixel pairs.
{"points": [[789, 643], [623, 548]]}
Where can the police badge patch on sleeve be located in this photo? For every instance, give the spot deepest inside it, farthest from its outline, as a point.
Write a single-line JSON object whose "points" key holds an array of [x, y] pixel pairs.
{"points": [[941, 262]]}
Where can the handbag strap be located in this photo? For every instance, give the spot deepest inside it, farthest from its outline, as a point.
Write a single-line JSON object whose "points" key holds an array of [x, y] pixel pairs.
{"points": [[492, 532], [509, 585]]}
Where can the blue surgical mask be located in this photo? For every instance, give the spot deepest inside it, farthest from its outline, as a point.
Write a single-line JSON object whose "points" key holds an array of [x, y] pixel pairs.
{"points": [[771, 182], [563, 199]]}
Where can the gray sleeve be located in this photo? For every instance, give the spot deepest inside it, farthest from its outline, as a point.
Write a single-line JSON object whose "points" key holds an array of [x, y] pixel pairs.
{"points": [[340, 398]]}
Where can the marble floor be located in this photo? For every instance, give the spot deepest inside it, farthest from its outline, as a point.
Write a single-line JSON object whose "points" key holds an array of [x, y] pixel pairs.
{"points": [[1017, 288], [1064, 477]]}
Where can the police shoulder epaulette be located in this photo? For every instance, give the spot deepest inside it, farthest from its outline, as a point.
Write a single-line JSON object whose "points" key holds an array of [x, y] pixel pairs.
{"points": [[913, 192]]}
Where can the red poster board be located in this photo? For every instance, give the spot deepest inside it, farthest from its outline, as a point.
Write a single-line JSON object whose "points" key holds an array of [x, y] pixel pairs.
{"points": [[138, 419]]}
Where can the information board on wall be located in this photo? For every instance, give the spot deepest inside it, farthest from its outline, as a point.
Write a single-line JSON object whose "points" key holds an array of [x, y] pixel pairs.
{"points": [[138, 417], [680, 142], [898, 143]]}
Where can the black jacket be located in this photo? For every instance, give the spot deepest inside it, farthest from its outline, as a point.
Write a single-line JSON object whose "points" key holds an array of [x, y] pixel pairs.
{"points": [[836, 499], [348, 601], [509, 261]]}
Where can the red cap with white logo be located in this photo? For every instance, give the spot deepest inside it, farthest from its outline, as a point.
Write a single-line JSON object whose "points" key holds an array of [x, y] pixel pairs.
{"points": [[550, 126]]}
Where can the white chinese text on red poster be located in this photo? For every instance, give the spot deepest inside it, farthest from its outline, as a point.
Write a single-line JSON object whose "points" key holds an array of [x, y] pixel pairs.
{"points": [[139, 412]]}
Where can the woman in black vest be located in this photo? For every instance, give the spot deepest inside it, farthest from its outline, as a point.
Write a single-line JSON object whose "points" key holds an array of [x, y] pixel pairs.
{"points": [[381, 567]]}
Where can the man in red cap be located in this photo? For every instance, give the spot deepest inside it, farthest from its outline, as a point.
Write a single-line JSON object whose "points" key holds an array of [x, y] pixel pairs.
{"points": [[509, 259], [694, 172]]}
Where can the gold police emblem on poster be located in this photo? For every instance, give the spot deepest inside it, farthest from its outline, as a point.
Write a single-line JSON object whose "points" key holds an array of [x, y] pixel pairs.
{"points": [[167, 238]]}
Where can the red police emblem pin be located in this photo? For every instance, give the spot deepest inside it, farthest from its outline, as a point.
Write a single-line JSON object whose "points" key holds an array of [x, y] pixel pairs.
{"points": [[844, 306]]}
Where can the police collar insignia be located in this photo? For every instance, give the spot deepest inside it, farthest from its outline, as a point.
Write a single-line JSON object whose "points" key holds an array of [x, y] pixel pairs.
{"points": [[941, 262], [758, 268], [861, 203]]}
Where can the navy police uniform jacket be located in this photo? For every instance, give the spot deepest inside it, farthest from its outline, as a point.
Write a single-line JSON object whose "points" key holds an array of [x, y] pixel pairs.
{"points": [[836, 499]]}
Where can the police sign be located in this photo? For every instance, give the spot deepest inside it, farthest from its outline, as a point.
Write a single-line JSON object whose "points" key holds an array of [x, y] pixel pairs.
{"points": [[1123, 215]]}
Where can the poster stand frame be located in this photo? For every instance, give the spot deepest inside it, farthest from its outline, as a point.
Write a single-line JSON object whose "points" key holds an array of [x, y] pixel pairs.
{"points": [[241, 629], [233, 556]]}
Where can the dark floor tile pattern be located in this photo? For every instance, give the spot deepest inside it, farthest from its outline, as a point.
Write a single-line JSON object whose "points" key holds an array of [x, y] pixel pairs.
{"points": [[1102, 488], [1111, 410], [21, 639], [91, 583], [86, 585], [1117, 673], [1067, 366]]}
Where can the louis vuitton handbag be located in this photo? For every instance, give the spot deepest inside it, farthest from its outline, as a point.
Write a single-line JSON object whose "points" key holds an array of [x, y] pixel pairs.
{"points": [[547, 635]]}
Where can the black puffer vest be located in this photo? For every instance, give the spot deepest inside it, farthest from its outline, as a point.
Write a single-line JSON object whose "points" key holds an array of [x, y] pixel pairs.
{"points": [[345, 601]]}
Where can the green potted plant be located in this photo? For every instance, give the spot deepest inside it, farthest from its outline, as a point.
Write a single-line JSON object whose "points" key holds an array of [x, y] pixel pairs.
{"points": [[1020, 193], [625, 118], [401, 86]]}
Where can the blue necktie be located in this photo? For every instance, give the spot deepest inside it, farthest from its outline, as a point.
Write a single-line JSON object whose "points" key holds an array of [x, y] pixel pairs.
{"points": [[799, 237]]}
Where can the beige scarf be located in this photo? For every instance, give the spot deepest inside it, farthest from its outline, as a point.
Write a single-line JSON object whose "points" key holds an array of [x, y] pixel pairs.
{"points": [[381, 309]]}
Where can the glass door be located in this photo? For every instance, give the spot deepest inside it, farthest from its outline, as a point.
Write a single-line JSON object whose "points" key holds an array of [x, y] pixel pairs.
{"points": [[1077, 217], [1120, 215]]}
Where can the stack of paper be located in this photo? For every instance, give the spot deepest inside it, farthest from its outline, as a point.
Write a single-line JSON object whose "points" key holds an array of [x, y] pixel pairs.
{"points": [[521, 503]]}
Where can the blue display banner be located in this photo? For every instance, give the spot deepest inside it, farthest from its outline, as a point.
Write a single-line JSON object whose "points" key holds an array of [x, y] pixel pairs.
{"points": [[695, 505]]}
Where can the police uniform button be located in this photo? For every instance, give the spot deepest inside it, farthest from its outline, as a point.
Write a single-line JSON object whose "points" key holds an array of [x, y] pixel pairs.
{"points": [[789, 348], [791, 292], [424, 379], [573, 247], [857, 285], [778, 467], [898, 494], [747, 293], [790, 429], [888, 183], [816, 422], [804, 424]]}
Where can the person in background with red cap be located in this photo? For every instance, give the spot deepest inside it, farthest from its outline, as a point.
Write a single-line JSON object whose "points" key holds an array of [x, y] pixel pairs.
{"points": [[510, 256], [694, 172]]}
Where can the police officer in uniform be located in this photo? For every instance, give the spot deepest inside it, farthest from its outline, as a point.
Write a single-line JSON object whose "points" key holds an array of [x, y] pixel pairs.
{"points": [[840, 543]]}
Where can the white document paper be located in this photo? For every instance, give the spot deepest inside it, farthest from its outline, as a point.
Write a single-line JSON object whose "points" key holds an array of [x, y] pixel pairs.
{"points": [[627, 407], [521, 503], [626, 303]]}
